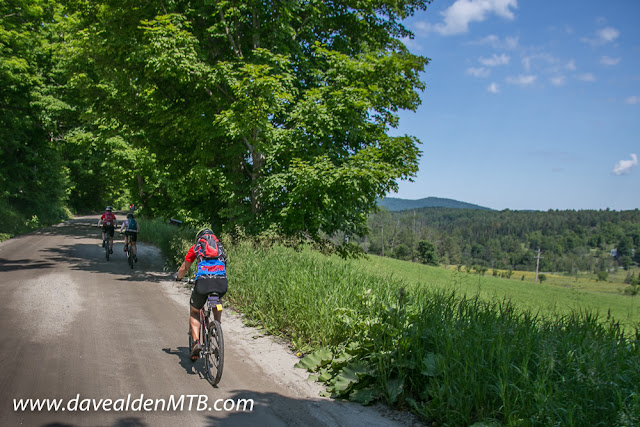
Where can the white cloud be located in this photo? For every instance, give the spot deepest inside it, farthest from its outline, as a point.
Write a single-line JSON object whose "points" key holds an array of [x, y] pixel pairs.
{"points": [[608, 34], [571, 65], [558, 80], [479, 72], [623, 167], [495, 60], [509, 43], [607, 60], [603, 36], [522, 80], [493, 88], [586, 77], [548, 60], [459, 15], [633, 100]]}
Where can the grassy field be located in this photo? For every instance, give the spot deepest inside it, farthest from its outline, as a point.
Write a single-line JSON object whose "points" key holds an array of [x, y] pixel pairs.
{"points": [[557, 295], [453, 347]]}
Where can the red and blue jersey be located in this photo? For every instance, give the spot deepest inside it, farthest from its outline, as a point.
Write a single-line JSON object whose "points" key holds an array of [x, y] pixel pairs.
{"points": [[206, 267]]}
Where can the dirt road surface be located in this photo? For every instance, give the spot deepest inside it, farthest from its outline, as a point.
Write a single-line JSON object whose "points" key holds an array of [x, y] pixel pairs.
{"points": [[104, 341]]}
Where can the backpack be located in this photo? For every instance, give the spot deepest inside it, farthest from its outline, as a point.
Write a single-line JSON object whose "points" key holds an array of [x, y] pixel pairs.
{"points": [[108, 218], [210, 255], [133, 225], [207, 247]]}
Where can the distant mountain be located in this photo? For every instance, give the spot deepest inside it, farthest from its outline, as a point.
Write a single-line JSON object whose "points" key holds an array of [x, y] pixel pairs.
{"points": [[395, 204]]}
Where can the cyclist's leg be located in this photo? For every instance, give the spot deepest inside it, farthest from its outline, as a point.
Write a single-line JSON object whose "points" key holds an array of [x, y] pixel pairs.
{"points": [[126, 241], [197, 302], [134, 240], [111, 230]]}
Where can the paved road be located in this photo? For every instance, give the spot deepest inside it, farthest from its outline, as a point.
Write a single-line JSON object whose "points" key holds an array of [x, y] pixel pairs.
{"points": [[78, 328]]}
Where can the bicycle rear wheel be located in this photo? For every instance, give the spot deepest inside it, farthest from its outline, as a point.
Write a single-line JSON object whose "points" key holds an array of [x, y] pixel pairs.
{"points": [[106, 248], [130, 256], [214, 353]]}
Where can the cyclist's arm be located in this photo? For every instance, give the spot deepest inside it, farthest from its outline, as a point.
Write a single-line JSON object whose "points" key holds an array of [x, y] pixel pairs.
{"points": [[122, 226], [188, 260], [183, 269]]}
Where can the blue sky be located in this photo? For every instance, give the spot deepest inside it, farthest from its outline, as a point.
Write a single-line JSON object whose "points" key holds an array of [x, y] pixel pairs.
{"points": [[530, 104]]}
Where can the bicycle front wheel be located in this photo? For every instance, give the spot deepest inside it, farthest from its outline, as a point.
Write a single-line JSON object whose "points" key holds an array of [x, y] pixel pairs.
{"points": [[214, 353]]}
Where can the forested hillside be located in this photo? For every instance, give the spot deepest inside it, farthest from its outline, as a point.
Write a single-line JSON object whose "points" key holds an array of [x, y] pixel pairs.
{"points": [[397, 204], [570, 241]]}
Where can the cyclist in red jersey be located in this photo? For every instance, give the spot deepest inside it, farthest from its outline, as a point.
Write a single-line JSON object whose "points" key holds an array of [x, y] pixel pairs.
{"points": [[211, 277], [109, 222]]}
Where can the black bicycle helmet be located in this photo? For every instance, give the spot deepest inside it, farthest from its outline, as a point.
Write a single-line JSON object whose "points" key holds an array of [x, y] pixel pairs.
{"points": [[201, 232], [129, 215]]}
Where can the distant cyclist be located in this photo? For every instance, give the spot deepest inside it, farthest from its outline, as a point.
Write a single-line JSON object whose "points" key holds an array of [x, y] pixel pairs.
{"points": [[211, 277], [131, 229], [109, 223]]}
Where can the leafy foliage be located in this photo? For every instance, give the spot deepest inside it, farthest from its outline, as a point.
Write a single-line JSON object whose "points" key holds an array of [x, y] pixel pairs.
{"points": [[271, 116], [32, 178]]}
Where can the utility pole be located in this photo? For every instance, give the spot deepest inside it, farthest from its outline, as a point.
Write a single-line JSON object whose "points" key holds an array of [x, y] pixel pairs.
{"points": [[382, 232], [537, 266]]}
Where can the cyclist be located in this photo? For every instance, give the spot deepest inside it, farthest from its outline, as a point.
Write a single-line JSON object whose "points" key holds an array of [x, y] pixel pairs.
{"points": [[131, 229], [211, 277], [109, 223]]}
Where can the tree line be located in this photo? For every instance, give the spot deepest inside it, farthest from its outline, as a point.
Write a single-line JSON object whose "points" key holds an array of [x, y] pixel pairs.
{"points": [[267, 115], [570, 241]]}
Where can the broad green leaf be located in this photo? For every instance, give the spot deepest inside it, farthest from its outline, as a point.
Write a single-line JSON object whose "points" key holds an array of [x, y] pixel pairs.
{"points": [[315, 360]]}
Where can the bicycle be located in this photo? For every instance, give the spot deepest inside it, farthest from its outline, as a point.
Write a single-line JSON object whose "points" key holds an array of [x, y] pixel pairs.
{"points": [[130, 258], [105, 244], [211, 338]]}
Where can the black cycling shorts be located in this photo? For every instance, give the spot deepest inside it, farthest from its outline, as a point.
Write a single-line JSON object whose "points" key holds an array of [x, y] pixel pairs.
{"points": [[108, 229], [132, 235], [207, 285]]}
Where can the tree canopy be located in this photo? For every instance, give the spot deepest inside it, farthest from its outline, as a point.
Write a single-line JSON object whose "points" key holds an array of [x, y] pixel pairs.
{"points": [[268, 115]]}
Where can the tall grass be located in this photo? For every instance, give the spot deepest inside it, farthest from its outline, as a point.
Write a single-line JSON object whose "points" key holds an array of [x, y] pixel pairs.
{"points": [[15, 222], [172, 240], [452, 358]]}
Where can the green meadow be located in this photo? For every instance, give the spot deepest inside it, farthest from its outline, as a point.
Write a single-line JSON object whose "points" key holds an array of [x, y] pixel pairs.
{"points": [[453, 347], [558, 295]]}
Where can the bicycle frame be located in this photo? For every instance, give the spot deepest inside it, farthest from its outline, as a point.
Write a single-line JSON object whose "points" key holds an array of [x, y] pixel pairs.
{"points": [[105, 242], [213, 304]]}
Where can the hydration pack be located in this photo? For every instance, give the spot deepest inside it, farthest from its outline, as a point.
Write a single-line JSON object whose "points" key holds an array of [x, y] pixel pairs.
{"points": [[210, 255], [132, 225], [207, 247], [108, 219]]}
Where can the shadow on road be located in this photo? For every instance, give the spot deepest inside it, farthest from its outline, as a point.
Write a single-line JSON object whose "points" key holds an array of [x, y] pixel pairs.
{"points": [[246, 407], [90, 257], [191, 368], [23, 264]]}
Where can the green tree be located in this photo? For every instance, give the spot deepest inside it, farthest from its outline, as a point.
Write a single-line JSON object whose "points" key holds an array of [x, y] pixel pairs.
{"points": [[264, 115], [427, 253], [32, 175], [402, 251]]}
